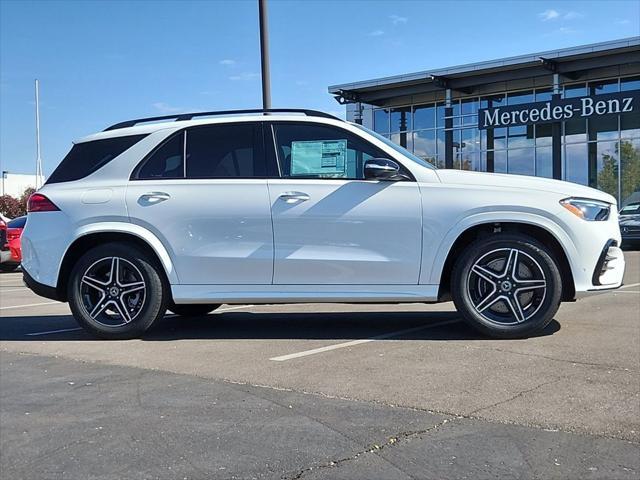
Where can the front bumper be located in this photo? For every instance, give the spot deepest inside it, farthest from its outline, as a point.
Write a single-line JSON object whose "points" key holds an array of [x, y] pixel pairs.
{"points": [[609, 269]]}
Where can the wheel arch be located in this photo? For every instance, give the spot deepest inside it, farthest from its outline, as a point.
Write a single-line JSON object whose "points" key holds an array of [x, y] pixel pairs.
{"points": [[485, 229], [145, 241]]}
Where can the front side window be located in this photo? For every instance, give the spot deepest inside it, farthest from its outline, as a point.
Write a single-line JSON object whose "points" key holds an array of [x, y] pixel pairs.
{"points": [[320, 151]]}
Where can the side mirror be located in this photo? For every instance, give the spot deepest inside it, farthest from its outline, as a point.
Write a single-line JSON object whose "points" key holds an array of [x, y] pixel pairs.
{"points": [[382, 169]]}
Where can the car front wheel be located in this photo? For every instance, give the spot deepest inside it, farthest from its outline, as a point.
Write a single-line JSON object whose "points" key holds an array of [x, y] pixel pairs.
{"points": [[507, 286], [116, 292]]}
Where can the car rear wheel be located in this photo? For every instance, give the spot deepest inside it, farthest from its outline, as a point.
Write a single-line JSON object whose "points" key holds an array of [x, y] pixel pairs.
{"points": [[507, 286], [116, 291], [193, 310]]}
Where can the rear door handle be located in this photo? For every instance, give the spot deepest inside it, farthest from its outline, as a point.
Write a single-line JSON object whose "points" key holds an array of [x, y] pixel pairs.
{"points": [[294, 197], [155, 197]]}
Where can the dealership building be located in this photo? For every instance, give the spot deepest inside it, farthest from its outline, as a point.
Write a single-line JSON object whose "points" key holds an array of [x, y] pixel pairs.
{"points": [[571, 114]]}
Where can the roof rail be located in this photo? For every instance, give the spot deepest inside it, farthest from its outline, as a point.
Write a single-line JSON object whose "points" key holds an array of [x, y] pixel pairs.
{"points": [[188, 116]]}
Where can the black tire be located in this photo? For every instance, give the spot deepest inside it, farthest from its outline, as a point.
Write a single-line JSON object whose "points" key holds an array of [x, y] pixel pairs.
{"points": [[495, 300], [193, 310], [91, 280], [8, 267]]}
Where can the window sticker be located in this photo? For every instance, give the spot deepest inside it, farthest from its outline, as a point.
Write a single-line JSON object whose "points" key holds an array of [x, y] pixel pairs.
{"points": [[325, 158]]}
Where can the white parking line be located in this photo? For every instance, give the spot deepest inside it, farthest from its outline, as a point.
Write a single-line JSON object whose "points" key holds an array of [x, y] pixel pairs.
{"points": [[630, 285], [352, 343], [54, 331], [30, 305], [13, 289]]}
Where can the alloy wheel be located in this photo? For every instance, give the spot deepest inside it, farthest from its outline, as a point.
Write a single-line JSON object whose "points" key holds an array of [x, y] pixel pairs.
{"points": [[113, 291], [506, 286]]}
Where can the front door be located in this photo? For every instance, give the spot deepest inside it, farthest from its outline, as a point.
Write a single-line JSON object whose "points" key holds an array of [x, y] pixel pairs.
{"points": [[203, 193], [331, 226]]}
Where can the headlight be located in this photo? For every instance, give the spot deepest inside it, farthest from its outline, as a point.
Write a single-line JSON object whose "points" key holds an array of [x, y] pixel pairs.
{"points": [[591, 210]]}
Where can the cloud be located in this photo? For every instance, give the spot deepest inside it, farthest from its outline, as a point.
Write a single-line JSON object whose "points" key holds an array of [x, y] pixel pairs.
{"points": [[397, 19], [566, 31], [165, 108], [227, 61], [549, 15], [572, 15], [244, 76], [376, 33]]}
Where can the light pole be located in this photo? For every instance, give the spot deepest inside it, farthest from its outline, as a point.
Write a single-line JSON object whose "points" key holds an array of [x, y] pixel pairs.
{"points": [[4, 175], [264, 54]]}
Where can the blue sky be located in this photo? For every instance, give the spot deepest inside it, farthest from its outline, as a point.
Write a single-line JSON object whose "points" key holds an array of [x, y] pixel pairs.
{"points": [[104, 62]]}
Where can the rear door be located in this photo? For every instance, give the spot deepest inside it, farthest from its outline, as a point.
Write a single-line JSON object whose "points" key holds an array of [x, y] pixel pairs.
{"points": [[331, 226], [204, 193]]}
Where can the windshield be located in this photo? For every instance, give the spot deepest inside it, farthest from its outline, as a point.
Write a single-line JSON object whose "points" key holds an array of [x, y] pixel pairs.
{"points": [[631, 209], [402, 151]]}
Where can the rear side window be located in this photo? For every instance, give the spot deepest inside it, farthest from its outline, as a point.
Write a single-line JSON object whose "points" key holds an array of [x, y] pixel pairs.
{"points": [[87, 157], [167, 161], [234, 150], [225, 151]]}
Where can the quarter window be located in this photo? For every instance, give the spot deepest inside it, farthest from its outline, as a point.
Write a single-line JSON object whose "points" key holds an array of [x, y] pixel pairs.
{"points": [[87, 157], [318, 151]]}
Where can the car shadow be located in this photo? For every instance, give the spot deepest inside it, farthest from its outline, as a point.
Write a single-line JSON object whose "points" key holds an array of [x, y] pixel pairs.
{"points": [[432, 325]]}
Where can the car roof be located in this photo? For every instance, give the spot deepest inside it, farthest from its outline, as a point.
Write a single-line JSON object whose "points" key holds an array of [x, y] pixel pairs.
{"points": [[154, 126]]}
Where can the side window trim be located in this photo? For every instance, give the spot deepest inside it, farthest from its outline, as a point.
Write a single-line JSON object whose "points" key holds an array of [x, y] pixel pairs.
{"points": [[276, 154]]}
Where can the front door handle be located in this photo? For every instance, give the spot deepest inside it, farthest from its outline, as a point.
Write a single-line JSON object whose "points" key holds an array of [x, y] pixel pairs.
{"points": [[154, 197], [294, 197]]}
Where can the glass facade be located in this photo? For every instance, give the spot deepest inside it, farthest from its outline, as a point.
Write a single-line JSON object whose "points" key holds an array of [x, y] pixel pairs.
{"points": [[602, 152]]}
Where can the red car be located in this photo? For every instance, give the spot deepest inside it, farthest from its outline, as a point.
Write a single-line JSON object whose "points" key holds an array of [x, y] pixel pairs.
{"points": [[10, 252]]}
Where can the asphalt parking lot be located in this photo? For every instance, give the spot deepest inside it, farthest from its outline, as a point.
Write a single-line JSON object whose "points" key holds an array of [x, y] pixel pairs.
{"points": [[321, 391]]}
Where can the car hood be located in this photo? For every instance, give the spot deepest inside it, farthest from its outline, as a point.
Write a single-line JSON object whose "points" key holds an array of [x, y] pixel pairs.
{"points": [[501, 180]]}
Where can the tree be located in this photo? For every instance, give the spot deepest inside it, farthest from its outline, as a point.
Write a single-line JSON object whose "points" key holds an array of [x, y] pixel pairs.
{"points": [[10, 206], [15, 207]]}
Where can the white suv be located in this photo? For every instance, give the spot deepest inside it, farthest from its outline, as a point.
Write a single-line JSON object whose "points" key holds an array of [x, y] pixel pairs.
{"points": [[195, 210]]}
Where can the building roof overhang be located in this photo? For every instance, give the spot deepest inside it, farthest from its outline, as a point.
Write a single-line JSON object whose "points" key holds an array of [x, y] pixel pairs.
{"points": [[568, 62]]}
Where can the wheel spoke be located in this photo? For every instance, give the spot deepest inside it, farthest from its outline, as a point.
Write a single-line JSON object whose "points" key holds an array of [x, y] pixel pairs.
{"points": [[99, 308], [516, 308], [115, 268], [530, 284], [122, 309], [93, 283], [485, 273], [488, 300], [511, 264], [131, 287]]}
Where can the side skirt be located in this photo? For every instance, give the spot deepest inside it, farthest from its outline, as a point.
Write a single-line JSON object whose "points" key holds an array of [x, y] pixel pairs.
{"points": [[304, 293]]}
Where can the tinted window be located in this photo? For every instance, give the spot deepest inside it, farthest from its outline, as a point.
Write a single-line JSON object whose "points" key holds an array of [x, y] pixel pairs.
{"points": [[85, 158], [166, 161], [225, 151], [318, 151], [17, 222]]}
